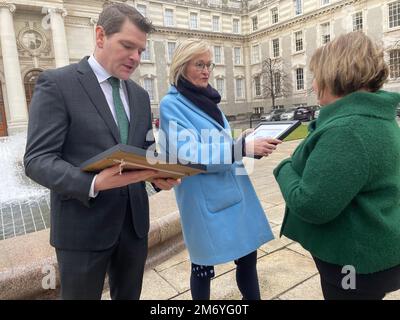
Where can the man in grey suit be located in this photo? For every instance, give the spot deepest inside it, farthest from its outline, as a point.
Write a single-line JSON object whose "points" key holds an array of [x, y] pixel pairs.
{"points": [[99, 223]]}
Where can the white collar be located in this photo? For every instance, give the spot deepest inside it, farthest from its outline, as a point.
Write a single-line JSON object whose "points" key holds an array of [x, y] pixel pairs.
{"points": [[101, 73]]}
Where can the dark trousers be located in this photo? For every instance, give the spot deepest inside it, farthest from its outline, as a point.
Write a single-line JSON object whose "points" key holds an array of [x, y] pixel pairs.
{"points": [[373, 286], [246, 278], [83, 272]]}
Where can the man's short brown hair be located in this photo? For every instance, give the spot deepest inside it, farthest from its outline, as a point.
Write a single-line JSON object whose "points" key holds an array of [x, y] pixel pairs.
{"points": [[114, 15]]}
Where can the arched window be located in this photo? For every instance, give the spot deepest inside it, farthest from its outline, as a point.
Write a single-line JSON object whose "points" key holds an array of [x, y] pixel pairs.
{"points": [[30, 81]]}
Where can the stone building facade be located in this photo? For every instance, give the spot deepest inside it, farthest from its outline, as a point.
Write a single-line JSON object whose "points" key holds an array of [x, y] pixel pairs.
{"points": [[43, 34]]}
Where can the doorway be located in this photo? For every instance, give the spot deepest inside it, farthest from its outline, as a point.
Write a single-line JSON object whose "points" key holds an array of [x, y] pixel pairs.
{"points": [[3, 120]]}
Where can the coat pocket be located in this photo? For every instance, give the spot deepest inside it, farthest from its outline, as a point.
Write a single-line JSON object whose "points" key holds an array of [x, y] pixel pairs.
{"points": [[220, 190]]}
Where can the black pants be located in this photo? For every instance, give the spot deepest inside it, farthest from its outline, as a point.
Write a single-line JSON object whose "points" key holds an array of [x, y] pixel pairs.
{"points": [[373, 286], [83, 272]]}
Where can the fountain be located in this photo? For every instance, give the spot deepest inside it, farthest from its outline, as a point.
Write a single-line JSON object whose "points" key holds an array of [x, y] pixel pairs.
{"points": [[24, 205]]}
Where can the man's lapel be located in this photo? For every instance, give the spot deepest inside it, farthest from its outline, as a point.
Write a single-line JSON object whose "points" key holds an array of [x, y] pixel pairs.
{"points": [[89, 82], [135, 111]]}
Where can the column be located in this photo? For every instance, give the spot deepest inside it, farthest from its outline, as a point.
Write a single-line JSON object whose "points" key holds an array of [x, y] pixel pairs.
{"points": [[93, 22], [12, 71], [58, 35]]}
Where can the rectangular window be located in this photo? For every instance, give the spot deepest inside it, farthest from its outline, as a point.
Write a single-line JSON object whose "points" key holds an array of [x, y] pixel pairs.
{"points": [[254, 23], [238, 55], [149, 87], [142, 9], [394, 63], [171, 49], [394, 14], [193, 20], [357, 21], [298, 38], [169, 17], [275, 48], [277, 83], [221, 86], [146, 54], [239, 88], [236, 26], [217, 54], [324, 2], [256, 53], [274, 15], [298, 7], [325, 33], [299, 79], [257, 86], [215, 24]]}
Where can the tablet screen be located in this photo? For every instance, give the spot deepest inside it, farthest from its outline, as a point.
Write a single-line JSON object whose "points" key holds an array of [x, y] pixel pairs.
{"points": [[277, 130]]}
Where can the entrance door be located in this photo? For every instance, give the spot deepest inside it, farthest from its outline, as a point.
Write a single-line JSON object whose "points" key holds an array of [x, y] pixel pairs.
{"points": [[30, 81], [3, 120]]}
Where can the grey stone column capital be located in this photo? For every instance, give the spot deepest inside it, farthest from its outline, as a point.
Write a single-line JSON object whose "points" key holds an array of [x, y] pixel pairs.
{"points": [[60, 11], [10, 6], [94, 21]]}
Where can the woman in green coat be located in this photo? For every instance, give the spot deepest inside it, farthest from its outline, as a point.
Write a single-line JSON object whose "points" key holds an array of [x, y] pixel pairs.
{"points": [[342, 183]]}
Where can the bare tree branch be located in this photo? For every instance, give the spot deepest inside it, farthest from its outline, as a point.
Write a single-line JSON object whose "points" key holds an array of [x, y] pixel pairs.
{"points": [[275, 80]]}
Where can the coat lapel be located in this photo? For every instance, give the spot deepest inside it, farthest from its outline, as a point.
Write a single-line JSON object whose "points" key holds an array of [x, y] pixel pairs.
{"points": [[89, 82]]}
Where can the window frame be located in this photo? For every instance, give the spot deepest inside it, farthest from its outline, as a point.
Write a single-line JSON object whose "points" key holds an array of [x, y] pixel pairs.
{"points": [[272, 15], [165, 17], [254, 27], [273, 49], [219, 23], [197, 27], [396, 67], [297, 79], [394, 27]]}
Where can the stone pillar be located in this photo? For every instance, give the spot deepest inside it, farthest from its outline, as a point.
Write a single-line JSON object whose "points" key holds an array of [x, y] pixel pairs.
{"points": [[93, 22], [59, 38], [12, 71]]}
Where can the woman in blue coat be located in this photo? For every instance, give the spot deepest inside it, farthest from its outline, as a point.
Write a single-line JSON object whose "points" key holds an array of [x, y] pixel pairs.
{"points": [[222, 218]]}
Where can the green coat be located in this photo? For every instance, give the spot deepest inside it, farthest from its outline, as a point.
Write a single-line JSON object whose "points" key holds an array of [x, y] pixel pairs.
{"points": [[342, 184]]}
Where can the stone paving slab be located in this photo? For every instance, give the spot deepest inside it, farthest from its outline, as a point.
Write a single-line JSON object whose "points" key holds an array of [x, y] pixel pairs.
{"points": [[275, 214], [307, 290], [278, 272], [295, 246]]}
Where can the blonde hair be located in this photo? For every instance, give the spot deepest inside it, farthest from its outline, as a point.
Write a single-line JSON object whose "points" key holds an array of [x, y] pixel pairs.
{"points": [[349, 63], [185, 51]]}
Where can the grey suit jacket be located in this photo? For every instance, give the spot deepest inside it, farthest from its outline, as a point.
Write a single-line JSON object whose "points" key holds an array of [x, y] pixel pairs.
{"points": [[70, 122]]}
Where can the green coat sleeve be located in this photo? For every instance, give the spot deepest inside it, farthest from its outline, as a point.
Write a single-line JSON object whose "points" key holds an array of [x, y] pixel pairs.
{"points": [[334, 173]]}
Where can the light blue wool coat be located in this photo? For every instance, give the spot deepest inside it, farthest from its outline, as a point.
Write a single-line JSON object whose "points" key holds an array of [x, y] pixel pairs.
{"points": [[222, 218]]}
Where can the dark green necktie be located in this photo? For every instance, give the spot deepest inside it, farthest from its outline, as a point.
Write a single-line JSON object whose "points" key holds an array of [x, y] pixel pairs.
{"points": [[122, 119]]}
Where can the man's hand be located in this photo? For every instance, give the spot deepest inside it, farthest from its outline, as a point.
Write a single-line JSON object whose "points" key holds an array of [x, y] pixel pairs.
{"points": [[166, 184], [111, 178], [261, 146]]}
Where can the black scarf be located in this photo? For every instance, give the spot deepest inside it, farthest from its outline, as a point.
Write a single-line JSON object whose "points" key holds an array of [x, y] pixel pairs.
{"points": [[206, 99]]}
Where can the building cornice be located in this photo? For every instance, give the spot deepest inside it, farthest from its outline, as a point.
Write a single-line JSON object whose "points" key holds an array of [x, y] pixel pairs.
{"points": [[203, 4], [199, 34]]}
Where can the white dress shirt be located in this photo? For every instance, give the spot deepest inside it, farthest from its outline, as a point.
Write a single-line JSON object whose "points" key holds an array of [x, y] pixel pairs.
{"points": [[102, 76]]}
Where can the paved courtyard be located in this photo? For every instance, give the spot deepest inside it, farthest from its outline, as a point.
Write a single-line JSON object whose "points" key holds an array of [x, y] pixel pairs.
{"points": [[286, 271]]}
